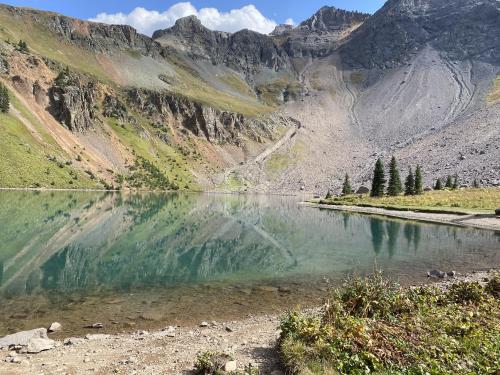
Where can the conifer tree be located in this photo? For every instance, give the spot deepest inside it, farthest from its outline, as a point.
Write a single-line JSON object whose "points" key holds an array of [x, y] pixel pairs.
{"points": [[328, 195], [449, 183], [378, 183], [439, 185], [346, 188], [455, 182], [475, 184], [419, 183], [395, 188], [410, 183], [4, 99]]}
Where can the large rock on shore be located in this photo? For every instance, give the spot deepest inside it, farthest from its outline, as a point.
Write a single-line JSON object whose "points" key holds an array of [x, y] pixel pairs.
{"points": [[33, 341]]}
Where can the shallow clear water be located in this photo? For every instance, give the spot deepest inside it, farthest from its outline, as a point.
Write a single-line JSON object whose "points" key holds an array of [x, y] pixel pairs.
{"points": [[141, 260]]}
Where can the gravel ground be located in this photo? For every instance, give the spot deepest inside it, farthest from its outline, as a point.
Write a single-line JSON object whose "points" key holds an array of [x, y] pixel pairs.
{"points": [[171, 351]]}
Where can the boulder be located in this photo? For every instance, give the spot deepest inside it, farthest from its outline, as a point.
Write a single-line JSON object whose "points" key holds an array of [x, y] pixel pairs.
{"points": [[37, 345], [55, 327], [23, 338], [230, 366], [363, 190], [497, 212], [436, 274]]}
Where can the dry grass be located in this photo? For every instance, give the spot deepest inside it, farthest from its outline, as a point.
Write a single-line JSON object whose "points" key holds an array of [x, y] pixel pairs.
{"points": [[494, 95], [473, 200]]}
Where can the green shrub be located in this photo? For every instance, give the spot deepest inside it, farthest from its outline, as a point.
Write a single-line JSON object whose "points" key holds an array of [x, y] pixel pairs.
{"points": [[463, 292], [211, 363]]}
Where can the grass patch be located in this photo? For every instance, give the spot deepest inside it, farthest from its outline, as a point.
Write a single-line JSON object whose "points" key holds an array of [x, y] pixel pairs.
{"points": [[463, 200], [272, 93], [372, 325], [190, 84], [357, 77], [494, 94], [27, 162]]}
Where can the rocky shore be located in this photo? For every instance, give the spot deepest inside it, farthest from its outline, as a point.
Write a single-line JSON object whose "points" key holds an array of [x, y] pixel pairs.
{"points": [[481, 221], [250, 342]]}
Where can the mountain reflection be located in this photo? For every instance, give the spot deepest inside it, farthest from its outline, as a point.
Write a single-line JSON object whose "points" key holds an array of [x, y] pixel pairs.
{"points": [[88, 241]]}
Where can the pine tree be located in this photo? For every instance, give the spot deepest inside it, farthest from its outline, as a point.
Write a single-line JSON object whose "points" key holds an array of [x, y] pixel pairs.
{"points": [[439, 185], [449, 183], [346, 188], [455, 182], [328, 195], [419, 183], [394, 187], [378, 183], [4, 99], [475, 184], [410, 183], [22, 46]]}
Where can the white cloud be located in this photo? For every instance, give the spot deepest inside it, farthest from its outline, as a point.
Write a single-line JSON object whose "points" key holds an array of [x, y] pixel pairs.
{"points": [[290, 22], [147, 21]]}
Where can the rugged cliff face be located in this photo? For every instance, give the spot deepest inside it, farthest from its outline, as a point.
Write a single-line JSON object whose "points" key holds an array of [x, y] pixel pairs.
{"points": [[73, 102], [319, 35], [462, 29], [245, 51]]}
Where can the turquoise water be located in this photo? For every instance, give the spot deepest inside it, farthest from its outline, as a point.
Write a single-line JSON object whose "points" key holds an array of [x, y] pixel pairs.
{"points": [[131, 260]]}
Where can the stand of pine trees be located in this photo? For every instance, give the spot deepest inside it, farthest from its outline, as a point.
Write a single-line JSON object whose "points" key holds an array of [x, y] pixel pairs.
{"points": [[4, 99]]}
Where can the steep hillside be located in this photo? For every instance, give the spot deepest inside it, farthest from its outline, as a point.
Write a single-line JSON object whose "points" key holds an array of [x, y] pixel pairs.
{"points": [[103, 106], [118, 109]]}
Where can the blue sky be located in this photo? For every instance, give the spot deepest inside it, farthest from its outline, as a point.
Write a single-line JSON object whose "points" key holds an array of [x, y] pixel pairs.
{"points": [[272, 11]]}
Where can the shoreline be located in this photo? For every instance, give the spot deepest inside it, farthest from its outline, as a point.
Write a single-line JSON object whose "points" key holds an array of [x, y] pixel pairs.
{"points": [[477, 221], [173, 350]]}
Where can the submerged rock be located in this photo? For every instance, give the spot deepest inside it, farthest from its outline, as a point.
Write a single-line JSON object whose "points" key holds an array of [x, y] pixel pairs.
{"points": [[436, 274]]}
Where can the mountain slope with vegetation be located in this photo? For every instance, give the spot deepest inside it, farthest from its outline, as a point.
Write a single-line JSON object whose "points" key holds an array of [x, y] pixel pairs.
{"points": [[192, 108]]}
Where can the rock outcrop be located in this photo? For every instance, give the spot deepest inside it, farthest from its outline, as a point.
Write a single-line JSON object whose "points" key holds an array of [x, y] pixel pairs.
{"points": [[212, 124], [319, 35], [461, 29], [245, 51], [72, 102]]}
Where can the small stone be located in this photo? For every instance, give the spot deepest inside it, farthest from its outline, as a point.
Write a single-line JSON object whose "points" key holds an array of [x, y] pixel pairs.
{"points": [[86, 360], [284, 289], [229, 329], [95, 326], [55, 327], [277, 372], [37, 345], [73, 341], [230, 366], [203, 324]]}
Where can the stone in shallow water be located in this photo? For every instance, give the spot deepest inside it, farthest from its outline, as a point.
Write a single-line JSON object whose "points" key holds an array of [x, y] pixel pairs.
{"points": [[55, 327]]}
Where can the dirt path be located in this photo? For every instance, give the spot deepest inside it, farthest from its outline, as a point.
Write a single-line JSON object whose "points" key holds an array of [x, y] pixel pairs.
{"points": [[485, 221]]}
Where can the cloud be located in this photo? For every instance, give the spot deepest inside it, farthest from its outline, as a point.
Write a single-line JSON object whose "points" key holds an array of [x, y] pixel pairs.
{"points": [[147, 21], [290, 22]]}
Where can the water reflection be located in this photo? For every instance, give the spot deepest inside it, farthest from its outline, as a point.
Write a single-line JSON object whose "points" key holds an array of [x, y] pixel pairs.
{"points": [[56, 244]]}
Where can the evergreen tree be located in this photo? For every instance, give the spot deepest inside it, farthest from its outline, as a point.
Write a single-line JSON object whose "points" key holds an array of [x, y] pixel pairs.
{"points": [[449, 183], [346, 188], [328, 195], [395, 187], [439, 185], [378, 183], [475, 184], [22, 46], [410, 183], [419, 183], [4, 99], [455, 182]]}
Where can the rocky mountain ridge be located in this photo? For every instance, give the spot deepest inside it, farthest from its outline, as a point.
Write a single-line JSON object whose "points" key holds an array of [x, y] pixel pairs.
{"points": [[221, 101]]}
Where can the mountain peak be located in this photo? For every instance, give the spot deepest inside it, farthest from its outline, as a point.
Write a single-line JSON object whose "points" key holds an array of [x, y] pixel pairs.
{"points": [[331, 18]]}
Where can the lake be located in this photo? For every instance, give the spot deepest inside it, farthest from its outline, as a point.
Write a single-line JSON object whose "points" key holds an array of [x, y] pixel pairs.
{"points": [[140, 261]]}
